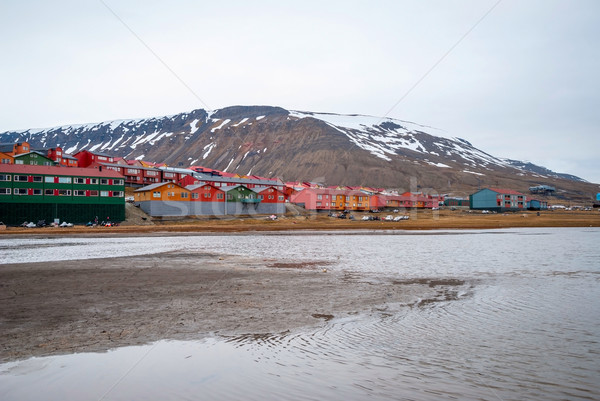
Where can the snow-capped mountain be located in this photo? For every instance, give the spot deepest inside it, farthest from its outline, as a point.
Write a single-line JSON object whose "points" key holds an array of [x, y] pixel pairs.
{"points": [[296, 145]]}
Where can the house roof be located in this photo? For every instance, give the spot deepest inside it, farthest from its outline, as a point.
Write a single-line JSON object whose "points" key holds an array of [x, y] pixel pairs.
{"points": [[158, 185], [196, 186], [94, 153], [33, 151], [58, 170], [506, 191]]}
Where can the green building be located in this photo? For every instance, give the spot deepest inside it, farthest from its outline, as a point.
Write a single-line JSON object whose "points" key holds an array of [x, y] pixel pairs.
{"points": [[75, 195], [33, 159]]}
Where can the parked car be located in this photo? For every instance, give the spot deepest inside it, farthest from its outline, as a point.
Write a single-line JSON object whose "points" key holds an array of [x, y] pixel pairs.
{"points": [[366, 218], [389, 217]]}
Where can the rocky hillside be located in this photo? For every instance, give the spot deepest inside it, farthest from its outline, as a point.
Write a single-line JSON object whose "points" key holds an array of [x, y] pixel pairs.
{"points": [[331, 148]]}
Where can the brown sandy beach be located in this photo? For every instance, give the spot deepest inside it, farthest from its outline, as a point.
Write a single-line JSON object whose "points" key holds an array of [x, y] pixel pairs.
{"points": [[101, 304]]}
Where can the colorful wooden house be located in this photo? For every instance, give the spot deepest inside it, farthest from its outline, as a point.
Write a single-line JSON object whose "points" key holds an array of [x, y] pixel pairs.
{"points": [[85, 158], [33, 158], [206, 200], [272, 200], [15, 148], [496, 199], [163, 199], [75, 195], [240, 200], [6, 158]]}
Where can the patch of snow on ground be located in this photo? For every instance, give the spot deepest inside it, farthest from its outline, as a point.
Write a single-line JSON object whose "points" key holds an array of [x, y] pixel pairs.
{"points": [[221, 125], [93, 148], [241, 122], [439, 165], [210, 147], [139, 157], [231, 161], [72, 149], [193, 161], [259, 118], [472, 172], [193, 126]]}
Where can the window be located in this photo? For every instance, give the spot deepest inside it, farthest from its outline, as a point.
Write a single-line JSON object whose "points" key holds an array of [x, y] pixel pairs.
{"points": [[79, 192], [170, 194], [4, 191], [79, 180], [133, 171], [271, 197], [37, 178], [219, 196], [332, 197], [156, 194], [229, 197], [117, 194], [319, 196], [5, 161], [93, 181], [104, 193], [18, 161], [20, 191], [185, 195], [94, 193], [280, 198], [64, 180], [37, 191], [207, 195], [49, 179], [261, 197], [49, 192], [103, 181], [22, 178], [118, 182], [318, 203], [332, 203], [64, 192], [47, 163], [5, 177], [195, 195]]}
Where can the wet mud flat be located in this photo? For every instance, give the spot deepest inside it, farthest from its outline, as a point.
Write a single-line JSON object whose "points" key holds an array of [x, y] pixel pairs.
{"points": [[99, 304]]}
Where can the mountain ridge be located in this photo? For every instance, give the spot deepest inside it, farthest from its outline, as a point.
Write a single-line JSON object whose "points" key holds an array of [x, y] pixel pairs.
{"points": [[344, 149]]}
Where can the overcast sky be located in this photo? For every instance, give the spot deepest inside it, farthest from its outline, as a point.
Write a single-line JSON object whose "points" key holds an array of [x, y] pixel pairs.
{"points": [[518, 79]]}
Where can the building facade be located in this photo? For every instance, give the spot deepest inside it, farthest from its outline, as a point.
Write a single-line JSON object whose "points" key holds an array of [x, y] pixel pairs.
{"points": [[498, 200], [75, 195]]}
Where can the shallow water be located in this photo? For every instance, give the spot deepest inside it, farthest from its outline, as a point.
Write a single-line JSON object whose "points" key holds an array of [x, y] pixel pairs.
{"points": [[528, 328]]}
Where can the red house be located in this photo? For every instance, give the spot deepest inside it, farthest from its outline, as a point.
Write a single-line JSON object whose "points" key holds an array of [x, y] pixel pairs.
{"points": [[85, 158]]}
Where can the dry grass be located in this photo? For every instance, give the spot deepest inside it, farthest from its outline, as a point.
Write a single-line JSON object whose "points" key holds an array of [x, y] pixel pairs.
{"points": [[419, 220]]}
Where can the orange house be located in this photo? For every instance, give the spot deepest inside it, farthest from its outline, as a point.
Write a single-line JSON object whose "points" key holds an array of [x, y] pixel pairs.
{"points": [[6, 158], [162, 191]]}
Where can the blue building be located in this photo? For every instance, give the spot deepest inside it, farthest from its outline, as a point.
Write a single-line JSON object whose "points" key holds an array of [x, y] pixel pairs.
{"points": [[536, 204], [498, 200]]}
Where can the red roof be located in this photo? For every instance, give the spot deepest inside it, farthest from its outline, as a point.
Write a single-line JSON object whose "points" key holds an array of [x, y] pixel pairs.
{"points": [[506, 191], [56, 170]]}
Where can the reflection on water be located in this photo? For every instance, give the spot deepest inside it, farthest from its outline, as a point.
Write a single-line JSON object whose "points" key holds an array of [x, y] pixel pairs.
{"points": [[524, 325]]}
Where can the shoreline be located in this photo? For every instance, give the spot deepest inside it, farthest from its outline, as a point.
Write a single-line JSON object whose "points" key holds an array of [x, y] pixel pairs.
{"points": [[419, 220]]}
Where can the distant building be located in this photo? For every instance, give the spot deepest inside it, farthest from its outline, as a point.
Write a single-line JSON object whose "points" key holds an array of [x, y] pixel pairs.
{"points": [[542, 189], [499, 200], [536, 204]]}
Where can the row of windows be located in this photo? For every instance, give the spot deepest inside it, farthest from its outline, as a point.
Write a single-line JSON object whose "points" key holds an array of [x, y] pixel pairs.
{"points": [[59, 192], [61, 180], [333, 197]]}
